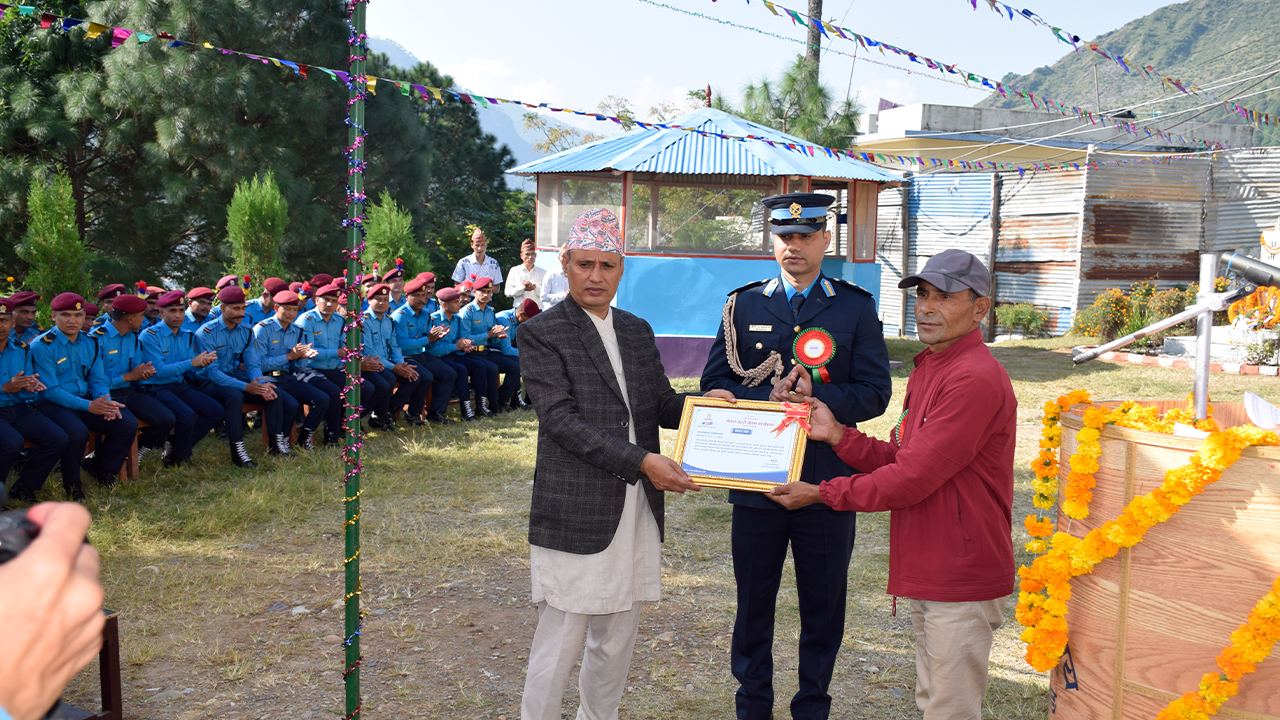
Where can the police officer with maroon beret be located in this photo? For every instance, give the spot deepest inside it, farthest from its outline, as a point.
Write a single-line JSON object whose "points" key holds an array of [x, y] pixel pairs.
{"points": [[20, 422]]}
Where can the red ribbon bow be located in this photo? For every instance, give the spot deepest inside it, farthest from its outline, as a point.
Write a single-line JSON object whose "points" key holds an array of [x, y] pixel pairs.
{"points": [[797, 413]]}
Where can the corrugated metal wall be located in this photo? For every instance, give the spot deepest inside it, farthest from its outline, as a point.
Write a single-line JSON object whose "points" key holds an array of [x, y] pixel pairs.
{"points": [[1039, 234], [1245, 201], [889, 255], [1064, 237], [1142, 221]]}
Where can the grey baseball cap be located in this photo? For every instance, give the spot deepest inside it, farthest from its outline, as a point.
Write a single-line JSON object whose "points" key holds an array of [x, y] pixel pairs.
{"points": [[951, 271]]}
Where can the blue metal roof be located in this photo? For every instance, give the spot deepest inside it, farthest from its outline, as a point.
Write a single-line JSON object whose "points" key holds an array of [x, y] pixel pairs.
{"points": [[678, 151]]}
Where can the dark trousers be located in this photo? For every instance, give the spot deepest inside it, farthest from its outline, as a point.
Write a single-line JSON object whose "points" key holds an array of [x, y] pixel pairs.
{"points": [[332, 382], [461, 381], [160, 419], [20, 424], [483, 374], [426, 381], [196, 414], [277, 414], [77, 424], [821, 543], [444, 380], [306, 394], [232, 402], [509, 366]]}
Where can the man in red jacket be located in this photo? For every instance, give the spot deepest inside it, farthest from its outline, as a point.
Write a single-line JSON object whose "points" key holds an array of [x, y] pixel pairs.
{"points": [[946, 476]]}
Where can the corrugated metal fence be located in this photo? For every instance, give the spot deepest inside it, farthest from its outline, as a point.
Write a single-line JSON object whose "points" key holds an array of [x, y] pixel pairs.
{"points": [[1063, 237]]}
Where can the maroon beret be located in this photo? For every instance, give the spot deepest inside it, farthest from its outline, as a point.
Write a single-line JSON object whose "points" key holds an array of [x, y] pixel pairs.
{"points": [[274, 285], [481, 283], [200, 293], [69, 301], [111, 291], [227, 281], [26, 297], [529, 307], [6, 306], [369, 279], [389, 275], [286, 297], [465, 286], [377, 289], [330, 290], [340, 282], [231, 295], [427, 276], [90, 310], [321, 279], [154, 293], [129, 304], [448, 294], [172, 298], [414, 285], [295, 286]]}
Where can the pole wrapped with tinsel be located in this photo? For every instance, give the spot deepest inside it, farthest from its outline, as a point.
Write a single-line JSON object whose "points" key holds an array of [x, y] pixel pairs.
{"points": [[357, 93]]}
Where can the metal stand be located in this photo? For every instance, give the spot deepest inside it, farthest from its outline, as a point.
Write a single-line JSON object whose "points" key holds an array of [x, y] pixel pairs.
{"points": [[1210, 302]]}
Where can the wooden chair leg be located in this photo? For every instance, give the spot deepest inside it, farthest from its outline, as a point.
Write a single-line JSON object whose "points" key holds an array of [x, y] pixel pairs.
{"points": [[109, 671]]}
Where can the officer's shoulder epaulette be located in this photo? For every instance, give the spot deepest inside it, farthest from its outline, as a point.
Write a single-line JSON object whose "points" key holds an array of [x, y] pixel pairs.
{"points": [[22, 345], [851, 286], [262, 322], [748, 286], [98, 330], [206, 328], [47, 337], [151, 330]]}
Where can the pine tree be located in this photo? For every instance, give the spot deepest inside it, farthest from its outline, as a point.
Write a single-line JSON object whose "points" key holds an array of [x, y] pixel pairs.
{"points": [[51, 247], [799, 105], [256, 223]]}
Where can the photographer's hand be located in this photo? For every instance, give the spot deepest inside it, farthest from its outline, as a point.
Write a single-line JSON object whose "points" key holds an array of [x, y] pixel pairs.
{"points": [[50, 611]]}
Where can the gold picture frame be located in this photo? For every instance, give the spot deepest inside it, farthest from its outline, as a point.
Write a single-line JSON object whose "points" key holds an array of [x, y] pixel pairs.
{"points": [[708, 434]]}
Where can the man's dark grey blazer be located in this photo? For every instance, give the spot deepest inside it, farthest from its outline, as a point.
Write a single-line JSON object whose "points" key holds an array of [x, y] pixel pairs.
{"points": [[585, 459]]}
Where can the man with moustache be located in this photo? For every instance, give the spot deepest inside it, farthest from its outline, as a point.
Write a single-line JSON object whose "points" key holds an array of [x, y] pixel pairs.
{"points": [[415, 333], [322, 328], [281, 347], [171, 350], [20, 421]]}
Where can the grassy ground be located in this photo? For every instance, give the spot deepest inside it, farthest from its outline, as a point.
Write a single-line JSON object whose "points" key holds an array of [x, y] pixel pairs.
{"points": [[229, 582]]}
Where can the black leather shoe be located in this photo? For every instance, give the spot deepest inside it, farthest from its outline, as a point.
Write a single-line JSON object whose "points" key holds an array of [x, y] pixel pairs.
{"points": [[438, 418]]}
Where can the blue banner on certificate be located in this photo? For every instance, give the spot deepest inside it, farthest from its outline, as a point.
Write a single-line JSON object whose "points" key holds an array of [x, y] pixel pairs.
{"points": [[747, 445]]}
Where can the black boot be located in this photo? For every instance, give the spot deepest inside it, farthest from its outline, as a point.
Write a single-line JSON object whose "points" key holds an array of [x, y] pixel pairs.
{"points": [[280, 446], [91, 466], [467, 413], [484, 408], [438, 418], [240, 456], [306, 439]]}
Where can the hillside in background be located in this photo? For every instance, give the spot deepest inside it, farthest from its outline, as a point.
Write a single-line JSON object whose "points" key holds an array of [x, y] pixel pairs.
{"points": [[1205, 43]]}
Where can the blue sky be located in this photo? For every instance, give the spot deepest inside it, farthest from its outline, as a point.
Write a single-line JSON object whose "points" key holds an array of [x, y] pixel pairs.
{"points": [[576, 52]]}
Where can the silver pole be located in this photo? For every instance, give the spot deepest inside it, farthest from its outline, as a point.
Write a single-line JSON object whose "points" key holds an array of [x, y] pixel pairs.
{"points": [[1204, 335]]}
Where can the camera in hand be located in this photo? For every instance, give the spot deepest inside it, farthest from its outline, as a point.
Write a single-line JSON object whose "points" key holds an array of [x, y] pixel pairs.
{"points": [[16, 533]]}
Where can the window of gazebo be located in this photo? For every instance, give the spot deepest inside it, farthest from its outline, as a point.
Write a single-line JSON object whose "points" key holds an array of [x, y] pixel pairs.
{"points": [[696, 214]]}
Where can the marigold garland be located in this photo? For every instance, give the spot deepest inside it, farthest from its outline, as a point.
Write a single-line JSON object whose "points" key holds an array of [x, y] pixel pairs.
{"points": [[1250, 645], [1046, 469], [1045, 587]]}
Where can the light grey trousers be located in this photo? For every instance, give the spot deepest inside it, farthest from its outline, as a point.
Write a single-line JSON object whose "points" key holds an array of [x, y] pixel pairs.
{"points": [[606, 659]]}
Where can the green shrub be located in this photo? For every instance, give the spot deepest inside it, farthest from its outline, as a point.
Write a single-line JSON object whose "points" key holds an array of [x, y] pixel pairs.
{"points": [[389, 235], [52, 246], [1022, 317], [1262, 353], [256, 222]]}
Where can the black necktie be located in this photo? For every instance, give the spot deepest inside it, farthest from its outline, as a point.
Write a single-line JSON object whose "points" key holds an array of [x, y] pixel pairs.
{"points": [[797, 300]]}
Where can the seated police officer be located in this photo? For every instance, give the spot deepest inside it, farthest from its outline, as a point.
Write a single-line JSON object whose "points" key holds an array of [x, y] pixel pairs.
{"points": [[199, 305], [125, 366], [455, 350], [106, 297], [383, 364], [235, 378], [511, 319], [20, 422], [480, 325], [414, 333], [322, 328], [280, 346], [78, 399], [25, 328], [171, 350]]}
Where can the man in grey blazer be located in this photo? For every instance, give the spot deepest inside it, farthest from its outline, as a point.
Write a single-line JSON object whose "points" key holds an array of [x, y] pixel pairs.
{"points": [[595, 527]]}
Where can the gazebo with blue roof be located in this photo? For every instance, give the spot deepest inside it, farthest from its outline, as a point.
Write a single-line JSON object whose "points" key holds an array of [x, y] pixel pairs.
{"points": [[692, 220]]}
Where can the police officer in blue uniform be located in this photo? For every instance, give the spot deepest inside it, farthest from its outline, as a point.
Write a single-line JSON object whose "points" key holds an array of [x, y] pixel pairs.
{"points": [[106, 297], [798, 332], [455, 351], [77, 398], [480, 326], [25, 329], [383, 364], [281, 346], [511, 319], [414, 332], [171, 350], [235, 378], [126, 368], [322, 328], [199, 307], [20, 422]]}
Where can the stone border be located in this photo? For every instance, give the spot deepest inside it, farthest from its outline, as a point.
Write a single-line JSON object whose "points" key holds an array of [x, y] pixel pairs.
{"points": [[1123, 358]]}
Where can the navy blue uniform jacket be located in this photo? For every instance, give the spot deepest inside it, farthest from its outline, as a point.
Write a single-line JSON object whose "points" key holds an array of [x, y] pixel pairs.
{"points": [[860, 385]]}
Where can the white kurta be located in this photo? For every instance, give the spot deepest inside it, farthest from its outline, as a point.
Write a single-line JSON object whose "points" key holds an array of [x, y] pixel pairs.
{"points": [[626, 572], [517, 277]]}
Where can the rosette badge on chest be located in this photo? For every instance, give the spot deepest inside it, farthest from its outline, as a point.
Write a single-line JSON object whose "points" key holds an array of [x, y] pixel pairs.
{"points": [[814, 348]]}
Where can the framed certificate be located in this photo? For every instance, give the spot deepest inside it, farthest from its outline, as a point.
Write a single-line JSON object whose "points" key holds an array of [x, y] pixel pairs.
{"points": [[747, 445]]}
